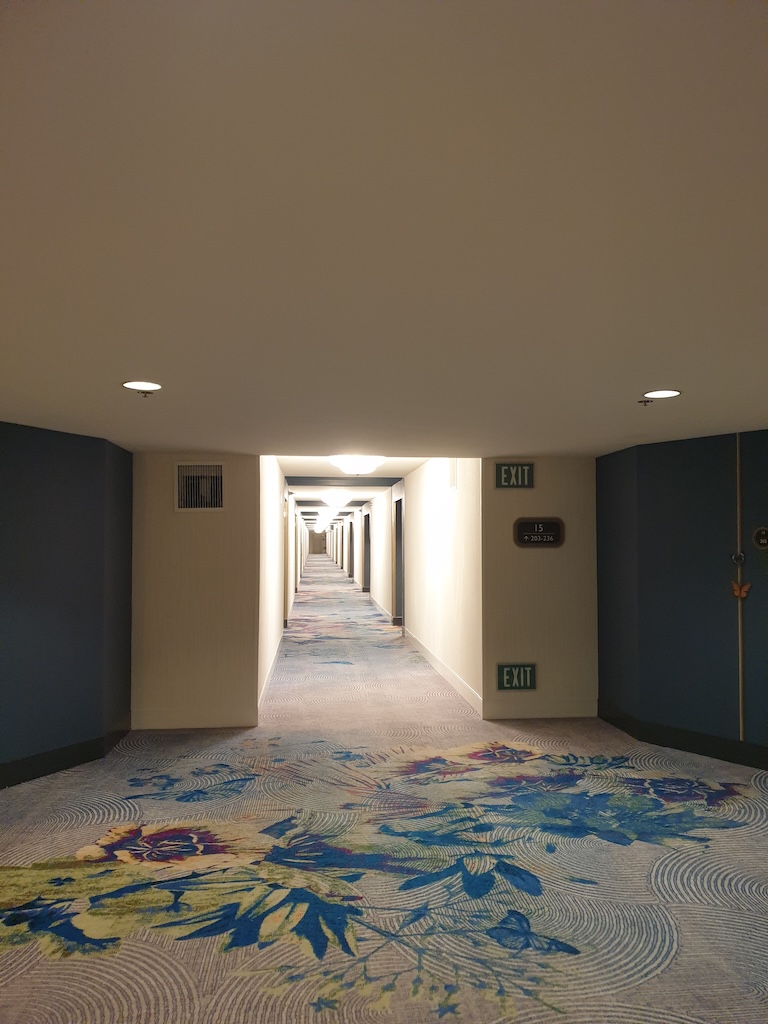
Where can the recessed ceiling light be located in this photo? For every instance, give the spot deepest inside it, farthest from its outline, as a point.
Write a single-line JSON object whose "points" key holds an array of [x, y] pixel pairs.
{"points": [[141, 385], [356, 465], [661, 394]]}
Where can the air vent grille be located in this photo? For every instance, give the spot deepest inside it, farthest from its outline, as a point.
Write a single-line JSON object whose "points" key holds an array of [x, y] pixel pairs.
{"points": [[199, 486]]}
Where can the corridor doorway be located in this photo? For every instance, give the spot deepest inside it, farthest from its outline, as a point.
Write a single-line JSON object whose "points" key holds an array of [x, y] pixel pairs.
{"points": [[355, 518], [398, 588], [367, 553]]}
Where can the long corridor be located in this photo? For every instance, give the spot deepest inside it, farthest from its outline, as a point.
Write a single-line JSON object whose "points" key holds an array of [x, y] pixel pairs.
{"points": [[343, 668]]}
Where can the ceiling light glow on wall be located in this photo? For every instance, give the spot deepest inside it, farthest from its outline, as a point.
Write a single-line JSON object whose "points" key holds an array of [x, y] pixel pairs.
{"points": [[324, 518], [356, 465], [144, 387], [336, 498], [661, 394]]}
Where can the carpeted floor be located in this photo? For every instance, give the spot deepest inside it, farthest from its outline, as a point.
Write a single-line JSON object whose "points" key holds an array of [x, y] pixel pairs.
{"points": [[375, 852]]}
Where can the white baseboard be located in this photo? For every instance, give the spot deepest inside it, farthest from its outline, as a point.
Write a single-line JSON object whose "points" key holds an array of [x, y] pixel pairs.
{"points": [[460, 686], [269, 674], [383, 611]]}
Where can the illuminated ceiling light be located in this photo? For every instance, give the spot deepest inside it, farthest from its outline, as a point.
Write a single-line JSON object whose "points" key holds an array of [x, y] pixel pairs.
{"points": [[336, 498], [661, 394], [356, 465], [325, 515], [144, 387]]}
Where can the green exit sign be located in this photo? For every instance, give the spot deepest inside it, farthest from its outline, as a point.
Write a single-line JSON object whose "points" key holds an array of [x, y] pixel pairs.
{"points": [[517, 677], [514, 474]]}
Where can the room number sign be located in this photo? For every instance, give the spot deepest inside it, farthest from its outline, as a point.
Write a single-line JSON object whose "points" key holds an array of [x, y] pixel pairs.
{"points": [[539, 533]]}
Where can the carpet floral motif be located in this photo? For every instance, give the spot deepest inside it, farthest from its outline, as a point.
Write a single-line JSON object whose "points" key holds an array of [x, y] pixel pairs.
{"points": [[398, 874]]}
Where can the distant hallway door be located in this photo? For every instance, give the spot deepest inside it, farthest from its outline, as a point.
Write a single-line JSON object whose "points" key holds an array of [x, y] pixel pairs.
{"points": [[366, 554], [399, 589]]}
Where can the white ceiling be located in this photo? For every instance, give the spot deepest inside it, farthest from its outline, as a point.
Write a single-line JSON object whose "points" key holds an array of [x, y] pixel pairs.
{"points": [[317, 466], [410, 227], [356, 488]]}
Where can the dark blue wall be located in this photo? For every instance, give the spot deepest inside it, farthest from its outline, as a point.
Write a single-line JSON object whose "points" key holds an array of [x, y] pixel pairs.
{"points": [[688, 629], [618, 650], [754, 499], [65, 593], [667, 519]]}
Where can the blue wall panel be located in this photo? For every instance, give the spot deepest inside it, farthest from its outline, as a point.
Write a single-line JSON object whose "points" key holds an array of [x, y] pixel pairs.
{"points": [[754, 491], [64, 589], [118, 505], [617, 611], [667, 524], [688, 638]]}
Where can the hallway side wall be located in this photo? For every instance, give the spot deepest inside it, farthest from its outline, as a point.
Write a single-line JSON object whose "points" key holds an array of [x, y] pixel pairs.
{"points": [[678, 649], [443, 570], [291, 554], [381, 551], [540, 604], [195, 597], [272, 566], [65, 599]]}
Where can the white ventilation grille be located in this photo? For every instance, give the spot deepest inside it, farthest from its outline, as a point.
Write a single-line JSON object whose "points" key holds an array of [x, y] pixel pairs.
{"points": [[199, 486]]}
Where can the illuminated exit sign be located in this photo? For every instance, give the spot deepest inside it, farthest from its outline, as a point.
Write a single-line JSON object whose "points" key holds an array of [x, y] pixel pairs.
{"points": [[514, 474], [517, 677]]}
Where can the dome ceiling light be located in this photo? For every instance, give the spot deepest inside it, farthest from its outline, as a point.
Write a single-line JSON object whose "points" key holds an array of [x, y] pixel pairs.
{"points": [[336, 497], [651, 396], [356, 465], [143, 387]]}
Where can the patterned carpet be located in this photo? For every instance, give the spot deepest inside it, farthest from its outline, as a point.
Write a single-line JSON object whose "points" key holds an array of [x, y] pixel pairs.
{"points": [[375, 852]]}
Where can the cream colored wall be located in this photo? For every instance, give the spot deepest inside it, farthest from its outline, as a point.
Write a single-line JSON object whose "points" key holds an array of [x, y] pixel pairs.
{"points": [[381, 551], [291, 554], [540, 606], [195, 597], [272, 567], [443, 570]]}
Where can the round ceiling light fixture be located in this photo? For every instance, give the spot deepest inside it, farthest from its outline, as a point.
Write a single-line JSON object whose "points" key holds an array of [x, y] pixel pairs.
{"points": [[356, 465], [664, 393], [336, 498], [143, 387]]}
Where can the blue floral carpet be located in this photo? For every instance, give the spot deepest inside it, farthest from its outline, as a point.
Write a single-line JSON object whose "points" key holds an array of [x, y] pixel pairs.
{"points": [[375, 852]]}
